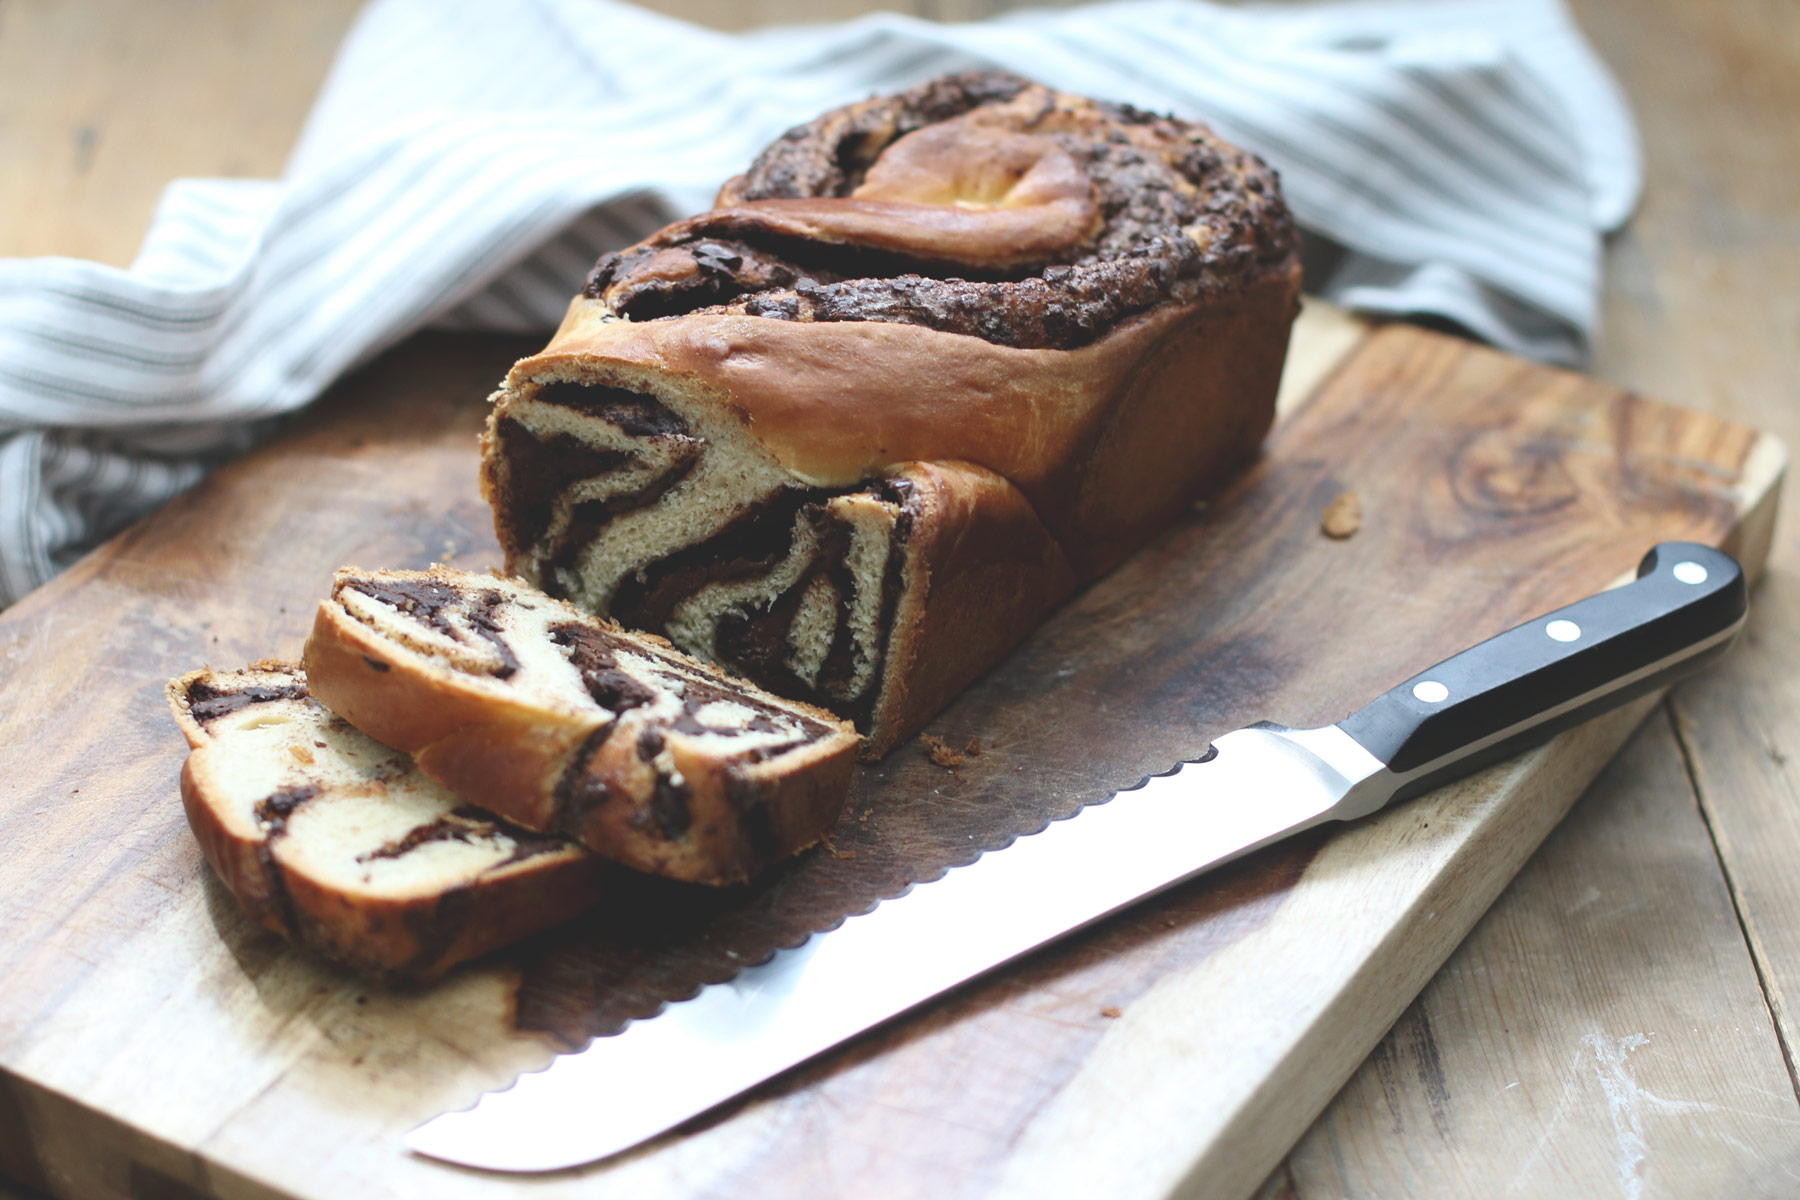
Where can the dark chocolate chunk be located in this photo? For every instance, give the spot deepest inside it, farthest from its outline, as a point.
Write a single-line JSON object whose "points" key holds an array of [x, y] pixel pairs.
{"points": [[273, 811], [579, 791], [595, 657], [421, 598], [445, 829], [436, 929], [650, 743], [669, 812], [538, 471], [745, 794], [484, 619], [469, 824], [638, 414], [208, 703]]}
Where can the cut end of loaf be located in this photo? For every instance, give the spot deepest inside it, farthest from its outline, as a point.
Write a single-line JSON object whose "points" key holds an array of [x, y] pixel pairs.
{"points": [[684, 527]]}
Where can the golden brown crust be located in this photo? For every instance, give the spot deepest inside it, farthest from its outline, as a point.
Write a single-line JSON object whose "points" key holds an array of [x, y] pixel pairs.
{"points": [[1106, 442], [839, 403], [981, 572], [414, 940], [1187, 415], [481, 743], [958, 192], [523, 754]]}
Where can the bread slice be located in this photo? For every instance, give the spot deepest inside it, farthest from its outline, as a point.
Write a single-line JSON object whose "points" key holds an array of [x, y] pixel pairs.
{"points": [[341, 845], [563, 723]]}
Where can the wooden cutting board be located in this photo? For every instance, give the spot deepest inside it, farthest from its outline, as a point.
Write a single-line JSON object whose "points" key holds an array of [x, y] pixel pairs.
{"points": [[154, 1044]]}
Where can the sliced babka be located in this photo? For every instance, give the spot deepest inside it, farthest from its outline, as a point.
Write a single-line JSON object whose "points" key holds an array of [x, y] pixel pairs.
{"points": [[563, 723], [341, 845]]}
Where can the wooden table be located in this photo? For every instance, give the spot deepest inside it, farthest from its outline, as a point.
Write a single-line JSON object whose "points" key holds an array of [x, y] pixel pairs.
{"points": [[1624, 1019]]}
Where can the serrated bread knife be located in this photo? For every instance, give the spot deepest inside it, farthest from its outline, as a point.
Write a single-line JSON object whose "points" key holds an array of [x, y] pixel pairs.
{"points": [[1254, 787]]}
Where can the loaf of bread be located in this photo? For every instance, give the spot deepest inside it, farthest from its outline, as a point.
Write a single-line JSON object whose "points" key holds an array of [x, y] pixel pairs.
{"points": [[339, 844], [562, 723], [932, 362]]}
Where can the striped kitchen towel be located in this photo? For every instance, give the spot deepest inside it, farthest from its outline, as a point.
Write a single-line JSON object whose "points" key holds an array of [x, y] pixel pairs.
{"points": [[469, 159]]}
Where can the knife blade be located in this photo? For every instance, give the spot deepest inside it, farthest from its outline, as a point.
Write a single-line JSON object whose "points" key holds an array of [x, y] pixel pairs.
{"points": [[1253, 787]]}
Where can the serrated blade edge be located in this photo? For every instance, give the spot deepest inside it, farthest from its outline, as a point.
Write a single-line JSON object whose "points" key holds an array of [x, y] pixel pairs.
{"points": [[1262, 784]]}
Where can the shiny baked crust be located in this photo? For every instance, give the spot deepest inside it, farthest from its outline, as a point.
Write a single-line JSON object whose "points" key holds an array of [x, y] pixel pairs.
{"points": [[339, 844], [1065, 318], [1034, 219], [562, 723]]}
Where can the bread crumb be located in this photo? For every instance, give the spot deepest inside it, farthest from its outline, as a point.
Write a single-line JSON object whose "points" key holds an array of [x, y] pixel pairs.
{"points": [[1112, 1011], [301, 754], [942, 753], [832, 847], [973, 749], [1343, 516]]}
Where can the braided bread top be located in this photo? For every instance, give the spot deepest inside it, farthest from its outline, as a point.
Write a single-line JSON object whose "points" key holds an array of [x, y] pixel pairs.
{"points": [[978, 204]]}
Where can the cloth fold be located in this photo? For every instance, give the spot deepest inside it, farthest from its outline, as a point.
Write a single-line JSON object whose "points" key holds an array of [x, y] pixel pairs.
{"points": [[468, 160]]}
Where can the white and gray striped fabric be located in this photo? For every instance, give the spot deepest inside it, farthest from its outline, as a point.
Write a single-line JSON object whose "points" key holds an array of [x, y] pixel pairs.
{"points": [[469, 159]]}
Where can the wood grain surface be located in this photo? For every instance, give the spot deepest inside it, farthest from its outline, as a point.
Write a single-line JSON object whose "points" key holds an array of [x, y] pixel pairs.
{"points": [[1676, 1043], [1700, 302], [102, 101], [1705, 295], [1492, 490]]}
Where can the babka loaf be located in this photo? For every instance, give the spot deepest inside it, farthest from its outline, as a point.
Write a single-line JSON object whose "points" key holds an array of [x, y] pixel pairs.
{"points": [[339, 844], [932, 362], [562, 723]]}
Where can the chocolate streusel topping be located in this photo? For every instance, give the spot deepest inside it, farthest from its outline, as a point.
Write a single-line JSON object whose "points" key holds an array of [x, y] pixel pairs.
{"points": [[1180, 213]]}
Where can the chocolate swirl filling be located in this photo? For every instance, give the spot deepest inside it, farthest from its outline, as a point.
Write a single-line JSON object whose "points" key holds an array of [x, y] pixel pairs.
{"points": [[662, 693]]}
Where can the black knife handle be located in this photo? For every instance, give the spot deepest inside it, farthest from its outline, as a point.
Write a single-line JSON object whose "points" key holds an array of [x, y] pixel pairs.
{"points": [[1520, 688]]}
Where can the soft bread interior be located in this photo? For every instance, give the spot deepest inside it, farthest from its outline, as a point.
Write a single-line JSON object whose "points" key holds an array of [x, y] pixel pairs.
{"points": [[731, 557], [703, 473], [510, 639], [350, 814]]}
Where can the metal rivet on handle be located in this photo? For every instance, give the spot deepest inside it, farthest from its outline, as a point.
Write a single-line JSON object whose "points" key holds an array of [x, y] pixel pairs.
{"points": [[1431, 691], [1563, 631], [1690, 572]]}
